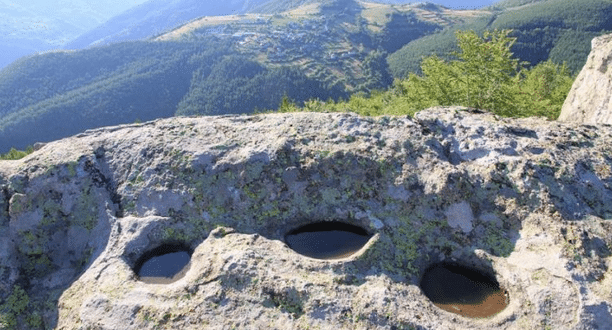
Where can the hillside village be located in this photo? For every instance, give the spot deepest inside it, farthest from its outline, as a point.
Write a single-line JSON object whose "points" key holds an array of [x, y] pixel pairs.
{"points": [[323, 41], [247, 62], [476, 205]]}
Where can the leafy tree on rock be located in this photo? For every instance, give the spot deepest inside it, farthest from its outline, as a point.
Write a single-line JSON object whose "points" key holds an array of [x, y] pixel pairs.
{"points": [[485, 75]]}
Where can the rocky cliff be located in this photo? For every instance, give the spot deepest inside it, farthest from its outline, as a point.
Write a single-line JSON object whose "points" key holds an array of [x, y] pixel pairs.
{"points": [[590, 99], [526, 201]]}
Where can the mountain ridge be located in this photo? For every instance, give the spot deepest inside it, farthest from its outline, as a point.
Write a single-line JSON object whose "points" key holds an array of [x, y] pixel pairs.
{"points": [[315, 51], [103, 85], [138, 22], [545, 29], [152, 18], [30, 26]]}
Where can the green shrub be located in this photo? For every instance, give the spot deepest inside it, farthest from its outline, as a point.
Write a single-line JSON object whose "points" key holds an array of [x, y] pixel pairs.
{"points": [[540, 91], [484, 75], [15, 154], [16, 304]]}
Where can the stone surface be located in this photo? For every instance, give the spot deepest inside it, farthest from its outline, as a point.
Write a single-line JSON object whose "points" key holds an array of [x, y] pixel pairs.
{"points": [[460, 216], [528, 200], [590, 99]]}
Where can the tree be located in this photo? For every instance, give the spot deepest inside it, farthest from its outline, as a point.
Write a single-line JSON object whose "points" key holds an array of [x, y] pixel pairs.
{"points": [[541, 90], [485, 75], [485, 69], [377, 70], [478, 78], [15, 154]]}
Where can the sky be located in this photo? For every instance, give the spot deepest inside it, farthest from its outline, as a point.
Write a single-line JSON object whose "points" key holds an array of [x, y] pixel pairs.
{"points": [[30, 26], [107, 7]]}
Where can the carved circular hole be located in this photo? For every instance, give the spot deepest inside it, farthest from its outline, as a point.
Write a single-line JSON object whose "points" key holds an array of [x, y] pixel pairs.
{"points": [[327, 240], [463, 290], [164, 264]]}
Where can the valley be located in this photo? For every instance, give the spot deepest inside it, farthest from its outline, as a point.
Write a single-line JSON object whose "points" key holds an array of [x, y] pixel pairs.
{"points": [[270, 51], [325, 42], [31, 26]]}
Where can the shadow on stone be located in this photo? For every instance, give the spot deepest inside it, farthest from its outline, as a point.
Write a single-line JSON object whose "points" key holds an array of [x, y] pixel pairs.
{"points": [[463, 290], [164, 264], [327, 240], [585, 194]]}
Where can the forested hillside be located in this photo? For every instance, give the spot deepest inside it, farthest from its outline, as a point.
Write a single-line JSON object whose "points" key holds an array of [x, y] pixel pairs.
{"points": [[323, 50], [158, 80], [215, 65], [155, 16], [483, 76], [30, 26], [558, 30]]}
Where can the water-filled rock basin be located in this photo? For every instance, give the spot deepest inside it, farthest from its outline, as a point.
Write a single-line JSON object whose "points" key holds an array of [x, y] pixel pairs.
{"points": [[463, 290], [163, 265], [327, 240]]}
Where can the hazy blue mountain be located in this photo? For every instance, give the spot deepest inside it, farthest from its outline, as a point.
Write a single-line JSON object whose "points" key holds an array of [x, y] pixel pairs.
{"points": [[156, 16], [30, 26], [244, 63]]}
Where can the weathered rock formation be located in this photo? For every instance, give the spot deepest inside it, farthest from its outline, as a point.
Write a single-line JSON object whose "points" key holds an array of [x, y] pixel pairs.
{"points": [[527, 200], [590, 99]]}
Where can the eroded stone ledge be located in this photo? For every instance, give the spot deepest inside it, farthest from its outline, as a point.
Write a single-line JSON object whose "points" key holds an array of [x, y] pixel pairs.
{"points": [[526, 200]]}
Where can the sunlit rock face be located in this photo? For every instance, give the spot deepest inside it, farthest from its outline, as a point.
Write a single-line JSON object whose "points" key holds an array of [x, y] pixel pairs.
{"points": [[590, 99], [525, 202]]}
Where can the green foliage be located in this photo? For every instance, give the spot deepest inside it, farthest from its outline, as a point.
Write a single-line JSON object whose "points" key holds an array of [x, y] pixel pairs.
{"points": [[558, 30], [486, 76], [541, 90], [376, 104], [287, 105], [237, 85], [15, 154], [15, 305], [478, 79], [483, 75], [408, 59]]}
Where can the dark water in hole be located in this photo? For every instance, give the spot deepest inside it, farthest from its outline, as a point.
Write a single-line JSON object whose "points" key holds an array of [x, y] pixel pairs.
{"points": [[463, 291], [165, 268], [327, 240]]}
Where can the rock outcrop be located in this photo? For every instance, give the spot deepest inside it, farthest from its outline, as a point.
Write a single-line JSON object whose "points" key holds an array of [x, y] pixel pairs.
{"points": [[526, 200], [590, 99]]}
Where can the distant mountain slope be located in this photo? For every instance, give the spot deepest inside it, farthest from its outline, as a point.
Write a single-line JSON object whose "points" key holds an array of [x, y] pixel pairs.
{"points": [[29, 26], [466, 4], [559, 30], [515, 3], [156, 16], [213, 65], [247, 62]]}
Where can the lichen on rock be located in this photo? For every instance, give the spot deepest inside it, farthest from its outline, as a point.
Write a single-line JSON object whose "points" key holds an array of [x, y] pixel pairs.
{"points": [[526, 199]]}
